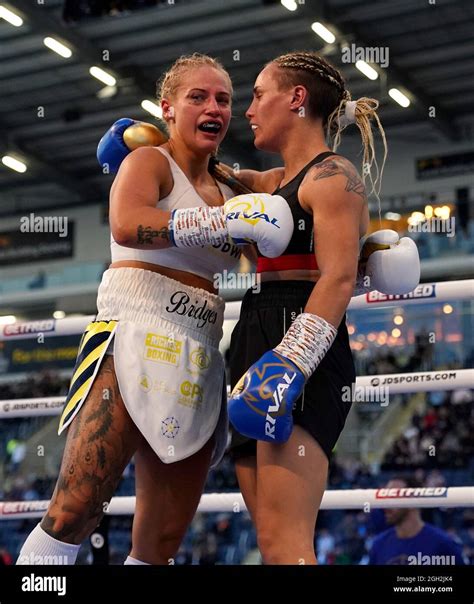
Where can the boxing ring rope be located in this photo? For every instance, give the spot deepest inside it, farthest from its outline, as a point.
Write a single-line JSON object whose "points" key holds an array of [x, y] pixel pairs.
{"points": [[425, 293], [367, 387], [366, 499], [356, 499]]}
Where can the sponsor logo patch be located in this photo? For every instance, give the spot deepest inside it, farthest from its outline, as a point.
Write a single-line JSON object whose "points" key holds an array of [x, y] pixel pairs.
{"points": [[411, 492], [29, 327], [169, 427], [424, 290], [191, 394], [162, 349], [199, 361]]}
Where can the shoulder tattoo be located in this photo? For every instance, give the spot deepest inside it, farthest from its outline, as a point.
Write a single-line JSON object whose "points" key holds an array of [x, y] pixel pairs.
{"points": [[335, 166]]}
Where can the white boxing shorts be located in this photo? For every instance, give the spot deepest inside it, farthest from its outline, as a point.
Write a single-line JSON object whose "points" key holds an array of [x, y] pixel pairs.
{"points": [[164, 337]]}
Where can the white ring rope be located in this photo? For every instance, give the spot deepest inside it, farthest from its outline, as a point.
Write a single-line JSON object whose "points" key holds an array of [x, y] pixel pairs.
{"points": [[363, 499], [366, 499], [425, 293], [368, 388]]}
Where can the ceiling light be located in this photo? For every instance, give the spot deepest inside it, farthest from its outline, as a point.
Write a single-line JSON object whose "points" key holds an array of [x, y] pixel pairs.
{"points": [[323, 32], [152, 108], [107, 92], [9, 16], [57, 47], [14, 164], [103, 76], [399, 97], [367, 70], [289, 4]]}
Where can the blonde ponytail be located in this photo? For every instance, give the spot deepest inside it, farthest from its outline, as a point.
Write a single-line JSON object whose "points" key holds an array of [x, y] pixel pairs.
{"points": [[361, 112]]}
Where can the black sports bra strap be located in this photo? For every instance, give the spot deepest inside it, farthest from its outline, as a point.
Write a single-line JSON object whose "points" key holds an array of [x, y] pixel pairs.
{"points": [[321, 157]]}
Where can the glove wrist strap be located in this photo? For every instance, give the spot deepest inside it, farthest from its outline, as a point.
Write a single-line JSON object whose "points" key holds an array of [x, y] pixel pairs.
{"points": [[307, 341], [195, 227]]}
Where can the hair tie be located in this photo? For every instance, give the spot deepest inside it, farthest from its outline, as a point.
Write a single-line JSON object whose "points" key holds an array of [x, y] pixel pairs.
{"points": [[349, 114]]}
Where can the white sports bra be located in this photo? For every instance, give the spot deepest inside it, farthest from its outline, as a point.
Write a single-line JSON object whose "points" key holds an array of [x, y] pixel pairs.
{"points": [[205, 262]]}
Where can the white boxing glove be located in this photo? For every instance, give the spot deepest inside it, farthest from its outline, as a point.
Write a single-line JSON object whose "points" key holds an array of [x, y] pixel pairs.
{"points": [[252, 218], [260, 218], [388, 264]]}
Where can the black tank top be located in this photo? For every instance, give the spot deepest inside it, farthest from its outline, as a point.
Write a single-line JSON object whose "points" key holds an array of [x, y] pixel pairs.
{"points": [[299, 253]]}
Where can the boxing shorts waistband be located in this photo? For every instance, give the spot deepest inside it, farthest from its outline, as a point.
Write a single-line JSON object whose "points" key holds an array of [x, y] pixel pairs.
{"points": [[143, 296]]}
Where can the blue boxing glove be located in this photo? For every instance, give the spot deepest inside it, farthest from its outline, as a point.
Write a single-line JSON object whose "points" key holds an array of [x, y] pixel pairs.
{"points": [[123, 137], [261, 404]]}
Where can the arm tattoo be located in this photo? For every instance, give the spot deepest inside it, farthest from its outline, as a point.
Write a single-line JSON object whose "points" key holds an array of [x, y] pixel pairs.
{"points": [[147, 234], [332, 167]]}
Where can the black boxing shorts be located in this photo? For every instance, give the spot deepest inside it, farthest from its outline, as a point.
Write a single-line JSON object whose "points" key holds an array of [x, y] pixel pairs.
{"points": [[264, 319]]}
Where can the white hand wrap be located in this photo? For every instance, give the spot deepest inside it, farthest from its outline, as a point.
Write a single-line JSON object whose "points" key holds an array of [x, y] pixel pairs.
{"points": [[194, 227], [252, 218], [307, 341]]}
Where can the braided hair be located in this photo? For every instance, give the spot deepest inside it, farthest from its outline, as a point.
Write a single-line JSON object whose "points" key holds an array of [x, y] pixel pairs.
{"points": [[328, 97]]}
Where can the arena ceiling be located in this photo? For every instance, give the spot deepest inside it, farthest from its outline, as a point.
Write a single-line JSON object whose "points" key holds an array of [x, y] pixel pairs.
{"points": [[52, 116]]}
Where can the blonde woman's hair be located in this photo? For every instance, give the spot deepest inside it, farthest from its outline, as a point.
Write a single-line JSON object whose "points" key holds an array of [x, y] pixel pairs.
{"points": [[167, 86], [328, 97], [169, 83]]}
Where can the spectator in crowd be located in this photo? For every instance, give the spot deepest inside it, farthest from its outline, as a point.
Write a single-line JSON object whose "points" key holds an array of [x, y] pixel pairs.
{"points": [[345, 537], [5, 557], [16, 452], [438, 438], [411, 541]]}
